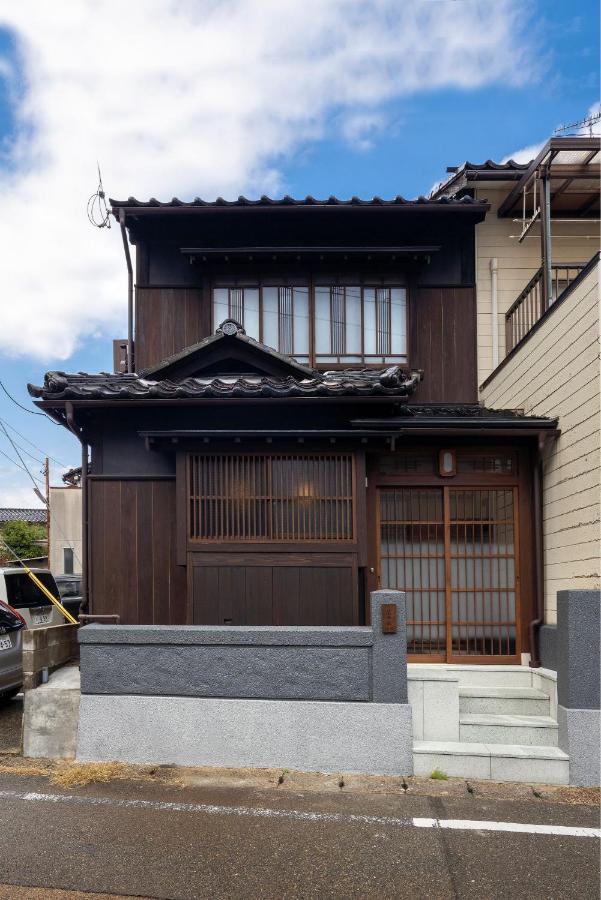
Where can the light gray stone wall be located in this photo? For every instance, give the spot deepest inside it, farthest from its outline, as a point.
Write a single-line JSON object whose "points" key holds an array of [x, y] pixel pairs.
{"points": [[315, 699], [374, 738], [578, 647]]}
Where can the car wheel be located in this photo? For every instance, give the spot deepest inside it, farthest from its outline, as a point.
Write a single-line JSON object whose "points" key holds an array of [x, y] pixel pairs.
{"points": [[8, 695]]}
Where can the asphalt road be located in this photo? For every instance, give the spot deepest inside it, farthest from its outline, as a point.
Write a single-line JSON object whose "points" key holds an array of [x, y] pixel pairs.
{"points": [[150, 840]]}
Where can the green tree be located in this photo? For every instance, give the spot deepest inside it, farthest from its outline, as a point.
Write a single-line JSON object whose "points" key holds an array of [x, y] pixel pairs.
{"points": [[23, 539]]}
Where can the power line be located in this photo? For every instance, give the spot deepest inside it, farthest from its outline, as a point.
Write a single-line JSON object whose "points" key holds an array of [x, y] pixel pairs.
{"points": [[15, 448], [32, 412], [14, 463], [35, 446], [30, 454]]}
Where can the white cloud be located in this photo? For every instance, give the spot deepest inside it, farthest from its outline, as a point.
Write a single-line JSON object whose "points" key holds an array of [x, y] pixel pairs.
{"points": [[595, 127], [15, 491], [526, 154], [361, 128], [186, 97]]}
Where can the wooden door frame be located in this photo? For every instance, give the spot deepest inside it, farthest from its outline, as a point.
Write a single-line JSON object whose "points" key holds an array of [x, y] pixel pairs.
{"points": [[519, 482]]}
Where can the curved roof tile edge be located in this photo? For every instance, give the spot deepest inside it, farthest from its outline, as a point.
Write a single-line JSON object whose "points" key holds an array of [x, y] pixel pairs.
{"points": [[175, 202]]}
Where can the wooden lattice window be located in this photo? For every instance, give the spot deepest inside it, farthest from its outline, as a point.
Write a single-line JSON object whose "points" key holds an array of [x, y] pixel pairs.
{"points": [[261, 497], [494, 463]]}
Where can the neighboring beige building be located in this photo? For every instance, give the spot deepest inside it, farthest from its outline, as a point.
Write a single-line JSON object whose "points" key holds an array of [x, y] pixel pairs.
{"points": [[64, 530], [537, 279], [555, 372]]}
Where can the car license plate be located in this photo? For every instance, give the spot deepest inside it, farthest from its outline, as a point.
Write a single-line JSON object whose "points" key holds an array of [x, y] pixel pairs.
{"points": [[5, 643], [41, 618]]}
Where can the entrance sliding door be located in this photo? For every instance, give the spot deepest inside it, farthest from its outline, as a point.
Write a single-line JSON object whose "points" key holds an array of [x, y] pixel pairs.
{"points": [[453, 551]]}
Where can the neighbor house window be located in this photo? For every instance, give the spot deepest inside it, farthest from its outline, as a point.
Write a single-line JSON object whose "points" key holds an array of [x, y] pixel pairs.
{"points": [[360, 324], [67, 561]]}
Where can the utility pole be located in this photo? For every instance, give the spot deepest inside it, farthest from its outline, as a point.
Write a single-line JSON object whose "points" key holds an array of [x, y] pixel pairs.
{"points": [[47, 484]]}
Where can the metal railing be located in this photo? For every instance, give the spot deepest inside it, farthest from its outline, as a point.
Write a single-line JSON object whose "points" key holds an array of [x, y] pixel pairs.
{"points": [[531, 304]]}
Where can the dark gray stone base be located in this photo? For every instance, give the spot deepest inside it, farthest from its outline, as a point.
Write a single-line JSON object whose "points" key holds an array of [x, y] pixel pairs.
{"points": [[547, 645]]}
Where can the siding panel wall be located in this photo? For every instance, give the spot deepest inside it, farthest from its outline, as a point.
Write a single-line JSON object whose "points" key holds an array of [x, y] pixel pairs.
{"points": [[556, 373], [133, 569], [517, 264]]}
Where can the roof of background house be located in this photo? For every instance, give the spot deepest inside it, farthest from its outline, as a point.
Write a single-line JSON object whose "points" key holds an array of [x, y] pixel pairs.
{"points": [[13, 514], [489, 170]]}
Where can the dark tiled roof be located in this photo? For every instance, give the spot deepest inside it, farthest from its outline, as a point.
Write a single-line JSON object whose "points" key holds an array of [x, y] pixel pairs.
{"points": [[393, 382], [491, 166], [12, 514], [472, 411], [510, 169], [153, 203]]}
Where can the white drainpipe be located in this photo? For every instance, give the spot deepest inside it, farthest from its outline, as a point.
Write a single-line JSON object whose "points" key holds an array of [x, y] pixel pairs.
{"points": [[494, 311]]}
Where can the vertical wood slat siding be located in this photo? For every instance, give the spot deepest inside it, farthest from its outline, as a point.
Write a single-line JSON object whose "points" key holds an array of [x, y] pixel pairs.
{"points": [[133, 570], [167, 320], [256, 497], [443, 343], [309, 595]]}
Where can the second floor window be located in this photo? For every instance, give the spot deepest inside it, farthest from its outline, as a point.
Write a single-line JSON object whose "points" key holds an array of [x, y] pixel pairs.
{"points": [[337, 324], [360, 324]]}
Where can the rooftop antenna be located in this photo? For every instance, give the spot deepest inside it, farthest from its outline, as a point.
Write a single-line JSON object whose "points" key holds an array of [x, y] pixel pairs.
{"points": [[587, 122], [97, 210]]}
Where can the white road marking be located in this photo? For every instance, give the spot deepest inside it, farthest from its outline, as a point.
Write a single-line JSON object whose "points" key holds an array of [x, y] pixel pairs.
{"points": [[516, 827], [302, 816]]}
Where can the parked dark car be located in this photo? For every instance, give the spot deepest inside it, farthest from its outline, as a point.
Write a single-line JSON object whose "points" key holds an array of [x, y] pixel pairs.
{"points": [[69, 587], [11, 651]]}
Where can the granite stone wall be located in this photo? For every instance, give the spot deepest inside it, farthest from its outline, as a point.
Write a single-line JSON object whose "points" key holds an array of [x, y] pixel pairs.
{"points": [[578, 650], [328, 699]]}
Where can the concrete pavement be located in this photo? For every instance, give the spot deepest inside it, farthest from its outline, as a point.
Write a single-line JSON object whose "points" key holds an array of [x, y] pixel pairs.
{"points": [[128, 838]]}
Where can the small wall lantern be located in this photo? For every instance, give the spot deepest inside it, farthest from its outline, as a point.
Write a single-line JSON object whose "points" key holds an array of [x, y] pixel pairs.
{"points": [[447, 464]]}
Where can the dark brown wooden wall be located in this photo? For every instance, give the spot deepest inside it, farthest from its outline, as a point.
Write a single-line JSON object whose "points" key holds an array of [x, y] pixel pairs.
{"points": [[167, 320], [442, 337], [443, 343], [267, 592], [133, 569]]}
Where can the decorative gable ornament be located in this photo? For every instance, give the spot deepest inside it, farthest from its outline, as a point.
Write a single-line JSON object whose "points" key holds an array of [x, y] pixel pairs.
{"points": [[230, 328]]}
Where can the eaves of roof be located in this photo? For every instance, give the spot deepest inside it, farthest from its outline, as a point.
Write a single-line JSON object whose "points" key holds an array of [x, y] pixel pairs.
{"points": [[474, 172], [135, 207], [60, 387]]}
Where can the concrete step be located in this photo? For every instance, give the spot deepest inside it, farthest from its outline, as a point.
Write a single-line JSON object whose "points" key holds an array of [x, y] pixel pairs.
{"points": [[523, 701], [492, 762], [483, 676], [531, 731]]}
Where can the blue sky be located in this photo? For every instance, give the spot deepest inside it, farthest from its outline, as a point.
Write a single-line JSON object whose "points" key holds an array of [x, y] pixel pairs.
{"points": [[362, 111]]}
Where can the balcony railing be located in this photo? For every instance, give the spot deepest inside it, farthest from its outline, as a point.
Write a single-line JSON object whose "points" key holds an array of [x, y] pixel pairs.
{"points": [[525, 312]]}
